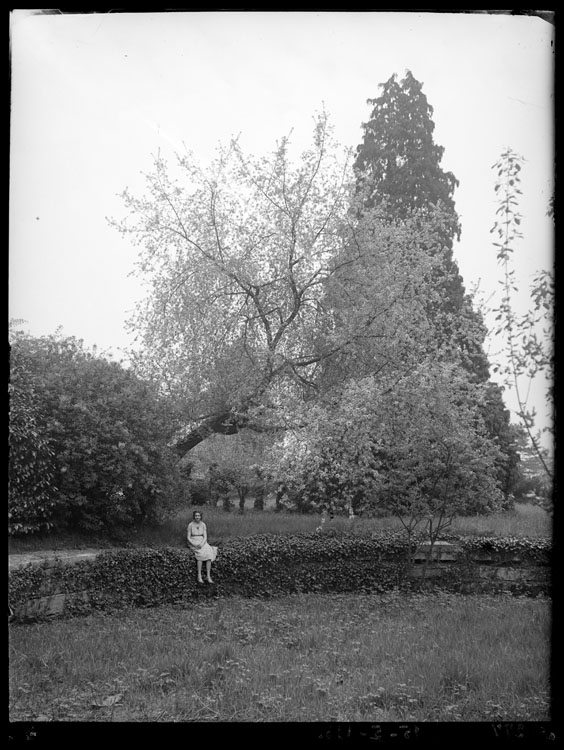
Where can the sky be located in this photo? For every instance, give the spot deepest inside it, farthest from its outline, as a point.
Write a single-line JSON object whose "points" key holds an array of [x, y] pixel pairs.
{"points": [[94, 97]]}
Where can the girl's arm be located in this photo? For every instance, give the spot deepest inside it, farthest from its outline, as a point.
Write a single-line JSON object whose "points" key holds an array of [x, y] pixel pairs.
{"points": [[189, 534], [205, 539]]}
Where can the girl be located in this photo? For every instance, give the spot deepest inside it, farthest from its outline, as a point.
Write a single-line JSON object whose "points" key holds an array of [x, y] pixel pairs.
{"points": [[197, 536]]}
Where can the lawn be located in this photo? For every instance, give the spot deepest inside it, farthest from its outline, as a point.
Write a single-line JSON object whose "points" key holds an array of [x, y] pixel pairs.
{"points": [[345, 658]]}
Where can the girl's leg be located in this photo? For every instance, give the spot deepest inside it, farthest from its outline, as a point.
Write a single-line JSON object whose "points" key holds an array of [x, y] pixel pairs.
{"points": [[208, 570], [199, 564]]}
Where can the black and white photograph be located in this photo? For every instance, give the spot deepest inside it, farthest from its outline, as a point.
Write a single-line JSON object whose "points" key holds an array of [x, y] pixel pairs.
{"points": [[281, 291]]}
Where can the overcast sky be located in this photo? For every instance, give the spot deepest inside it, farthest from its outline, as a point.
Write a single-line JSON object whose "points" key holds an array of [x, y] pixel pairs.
{"points": [[94, 97]]}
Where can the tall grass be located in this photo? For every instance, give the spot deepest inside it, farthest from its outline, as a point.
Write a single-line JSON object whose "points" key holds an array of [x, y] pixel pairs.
{"points": [[302, 658], [525, 520]]}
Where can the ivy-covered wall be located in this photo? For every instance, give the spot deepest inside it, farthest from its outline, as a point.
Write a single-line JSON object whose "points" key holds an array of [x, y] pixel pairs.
{"points": [[271, 565]]}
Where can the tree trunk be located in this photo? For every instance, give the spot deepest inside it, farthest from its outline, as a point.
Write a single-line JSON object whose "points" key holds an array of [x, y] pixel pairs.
{"points": [[259, 498], [226, 502], [220, 424], [280, 492], [242, 492]]}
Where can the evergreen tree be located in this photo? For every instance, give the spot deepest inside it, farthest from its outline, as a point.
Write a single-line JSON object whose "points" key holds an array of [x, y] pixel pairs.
{"points": [[399, 176], [398, 170], [398, 159]]}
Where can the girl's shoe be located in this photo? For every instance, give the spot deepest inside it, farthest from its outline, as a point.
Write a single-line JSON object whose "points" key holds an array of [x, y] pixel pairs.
{"points": [[200, 580], [210, 580]]}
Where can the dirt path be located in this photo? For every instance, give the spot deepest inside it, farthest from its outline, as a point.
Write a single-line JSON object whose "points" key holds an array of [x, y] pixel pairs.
{"points": [[42, 556]]}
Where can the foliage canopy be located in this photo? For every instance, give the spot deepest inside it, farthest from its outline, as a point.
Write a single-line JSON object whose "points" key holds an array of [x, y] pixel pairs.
{"points": [[96, 436]]}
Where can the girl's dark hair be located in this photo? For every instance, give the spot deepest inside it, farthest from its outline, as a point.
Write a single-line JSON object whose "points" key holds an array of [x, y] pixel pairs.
{"points": [[197, 511]]}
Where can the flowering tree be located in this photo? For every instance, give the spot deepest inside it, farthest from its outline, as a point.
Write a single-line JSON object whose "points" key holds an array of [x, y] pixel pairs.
{"points": [[240, 259], [416, 447], [438, 459], [235, 257]]}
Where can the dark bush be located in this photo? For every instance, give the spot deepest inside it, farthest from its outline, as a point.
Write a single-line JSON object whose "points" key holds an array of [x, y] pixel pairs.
{"points": [[100, 436], [263, 565]]}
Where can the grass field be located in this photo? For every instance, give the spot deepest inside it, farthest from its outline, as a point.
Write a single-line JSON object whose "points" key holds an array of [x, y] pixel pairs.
{"points": [[346, 658], [525, 520], [439, 657]]}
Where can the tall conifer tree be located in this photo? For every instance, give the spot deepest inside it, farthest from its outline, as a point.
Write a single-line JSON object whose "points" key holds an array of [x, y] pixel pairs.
{"points": [[399, 174], [398, 158], [398, 169]]}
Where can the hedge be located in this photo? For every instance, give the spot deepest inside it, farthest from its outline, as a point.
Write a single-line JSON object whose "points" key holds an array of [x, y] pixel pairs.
{"points": [[263, 565]]}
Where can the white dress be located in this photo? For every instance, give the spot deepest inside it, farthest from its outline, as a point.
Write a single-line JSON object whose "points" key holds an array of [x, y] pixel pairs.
{"points": [[196, 534]]}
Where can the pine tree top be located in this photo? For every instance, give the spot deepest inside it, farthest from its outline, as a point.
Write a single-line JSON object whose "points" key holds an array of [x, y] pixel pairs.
{"points": [[398, 160]]}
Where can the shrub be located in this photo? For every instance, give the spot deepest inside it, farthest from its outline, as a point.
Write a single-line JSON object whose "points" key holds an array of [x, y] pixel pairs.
{"points": [[531, 549], [418, 449], [103, 432], [263, 565], [31, 489]]}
